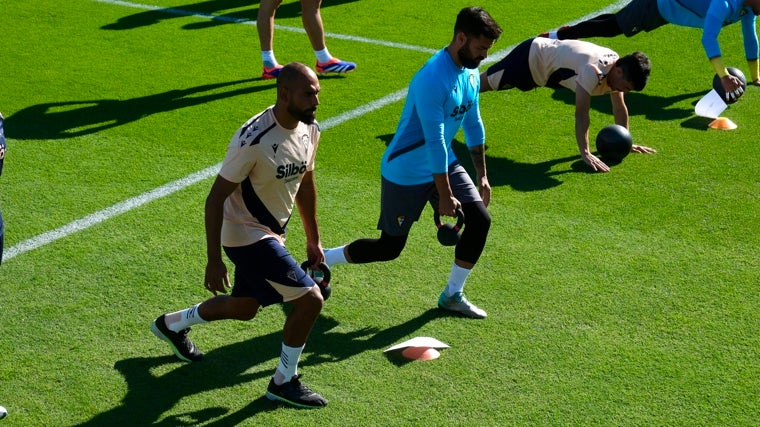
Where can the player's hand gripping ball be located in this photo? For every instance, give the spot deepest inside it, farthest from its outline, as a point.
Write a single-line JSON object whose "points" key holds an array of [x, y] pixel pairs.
{"points": [[613, 143], [321, 277], [732, 97], [449, 234]]}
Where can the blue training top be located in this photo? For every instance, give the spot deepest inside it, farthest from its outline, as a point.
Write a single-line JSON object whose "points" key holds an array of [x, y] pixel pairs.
{"points": [[712, 16], [442, 98]]}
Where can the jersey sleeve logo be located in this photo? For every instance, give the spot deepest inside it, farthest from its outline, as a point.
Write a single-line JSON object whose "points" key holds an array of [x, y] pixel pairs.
{"points": [[306, 142]]}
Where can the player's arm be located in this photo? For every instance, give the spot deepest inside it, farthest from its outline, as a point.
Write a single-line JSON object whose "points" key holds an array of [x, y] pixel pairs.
{"points": [[478, 156], [620, 111], [751, 46], [475, 137], [713, 23], [447, 203], [582, 123], [306, 201], [217, 279], [438, 163], [430, 98]]}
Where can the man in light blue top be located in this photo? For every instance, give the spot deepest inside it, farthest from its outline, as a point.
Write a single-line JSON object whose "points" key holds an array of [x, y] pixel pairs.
{"points": [[709, 15], [419, 165]]}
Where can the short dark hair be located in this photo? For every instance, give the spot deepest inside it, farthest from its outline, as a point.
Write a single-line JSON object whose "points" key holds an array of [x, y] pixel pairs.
{"points": [[291, 73], [636, 68], [474, 21]]}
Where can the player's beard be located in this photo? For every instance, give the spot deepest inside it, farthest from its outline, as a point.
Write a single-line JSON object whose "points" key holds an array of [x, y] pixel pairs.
{"points": [[467, 59], [306, 116]]}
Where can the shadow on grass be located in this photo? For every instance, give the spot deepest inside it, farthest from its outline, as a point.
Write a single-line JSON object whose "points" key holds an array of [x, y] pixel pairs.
{"points": [[520, 176], [212, 9], [652, 107], [540, 176], [59, 120], [149, 397], [697, 123]]}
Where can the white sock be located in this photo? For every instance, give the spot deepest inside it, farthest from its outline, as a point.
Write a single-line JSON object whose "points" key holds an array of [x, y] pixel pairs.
{"points": [[456, 280], [183, 319], [267, 57], [323, 55], [553, 35], [288, 366], [335, 256]]}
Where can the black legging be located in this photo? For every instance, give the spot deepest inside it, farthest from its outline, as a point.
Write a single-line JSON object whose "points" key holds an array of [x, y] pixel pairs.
{"points": [[386, 248], [602, 26]]}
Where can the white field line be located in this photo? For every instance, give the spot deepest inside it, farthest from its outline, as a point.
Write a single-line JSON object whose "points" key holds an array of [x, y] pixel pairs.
{"points": [[172, 11], [182, 183]]}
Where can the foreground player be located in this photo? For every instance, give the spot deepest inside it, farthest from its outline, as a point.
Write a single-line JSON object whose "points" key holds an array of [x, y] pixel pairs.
{"points": [[419, 165], [269, 166], [709, 15], [585, 68]]}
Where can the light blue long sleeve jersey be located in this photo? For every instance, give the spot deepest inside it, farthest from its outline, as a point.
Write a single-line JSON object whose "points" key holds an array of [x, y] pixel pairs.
{"points": [[442, 98], [712, 16]]}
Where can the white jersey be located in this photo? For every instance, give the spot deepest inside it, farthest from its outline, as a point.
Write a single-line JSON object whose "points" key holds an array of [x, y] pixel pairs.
{"points": [[589, 63], [269, 162]]}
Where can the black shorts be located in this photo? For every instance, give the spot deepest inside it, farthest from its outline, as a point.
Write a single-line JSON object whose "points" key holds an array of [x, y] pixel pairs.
{"points": [[639, 15], [513, 70], [266, 271], [401, 205]]}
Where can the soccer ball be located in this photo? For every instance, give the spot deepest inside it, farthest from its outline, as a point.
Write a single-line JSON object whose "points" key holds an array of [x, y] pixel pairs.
{"points": [[719, 87], [613, 143]]}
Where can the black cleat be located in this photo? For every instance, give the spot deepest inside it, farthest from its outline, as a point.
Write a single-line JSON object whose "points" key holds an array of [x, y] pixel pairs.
{"points": [[295, 393], [178, 341]]}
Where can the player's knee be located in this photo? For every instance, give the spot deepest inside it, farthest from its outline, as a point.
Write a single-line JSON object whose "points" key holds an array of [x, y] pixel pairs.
{"points": [[477, 218], [390, 247], [386, 248], [310, 303]]}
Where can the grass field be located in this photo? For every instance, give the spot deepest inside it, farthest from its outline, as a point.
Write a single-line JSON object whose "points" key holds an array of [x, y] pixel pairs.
{"points": [[626, 298]]}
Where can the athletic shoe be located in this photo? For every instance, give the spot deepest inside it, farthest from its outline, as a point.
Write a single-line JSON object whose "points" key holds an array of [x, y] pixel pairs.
{"points": [[458, 303], [178, 341], [295, 393], [335, 66], [546, 34], [271, 73]]}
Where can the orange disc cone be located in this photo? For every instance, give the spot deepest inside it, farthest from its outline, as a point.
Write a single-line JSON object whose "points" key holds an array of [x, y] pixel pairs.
{"points": [[722, 123], [420, 353]]}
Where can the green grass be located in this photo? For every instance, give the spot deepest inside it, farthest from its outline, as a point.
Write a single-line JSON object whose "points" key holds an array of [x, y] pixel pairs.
{"points": [[627, 298]]}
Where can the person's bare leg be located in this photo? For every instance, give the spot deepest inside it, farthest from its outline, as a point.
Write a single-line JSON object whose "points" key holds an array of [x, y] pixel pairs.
{"points": [[312, 23], [223, 307], [301, 319], [265, 22]]}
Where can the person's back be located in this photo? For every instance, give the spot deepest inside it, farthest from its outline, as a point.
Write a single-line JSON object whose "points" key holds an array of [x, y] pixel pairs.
{"points": [[588, 62], [692, 13]]}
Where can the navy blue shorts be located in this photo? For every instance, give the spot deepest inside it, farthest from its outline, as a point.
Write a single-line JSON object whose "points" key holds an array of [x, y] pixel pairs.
{"points": [[266, 271]]}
